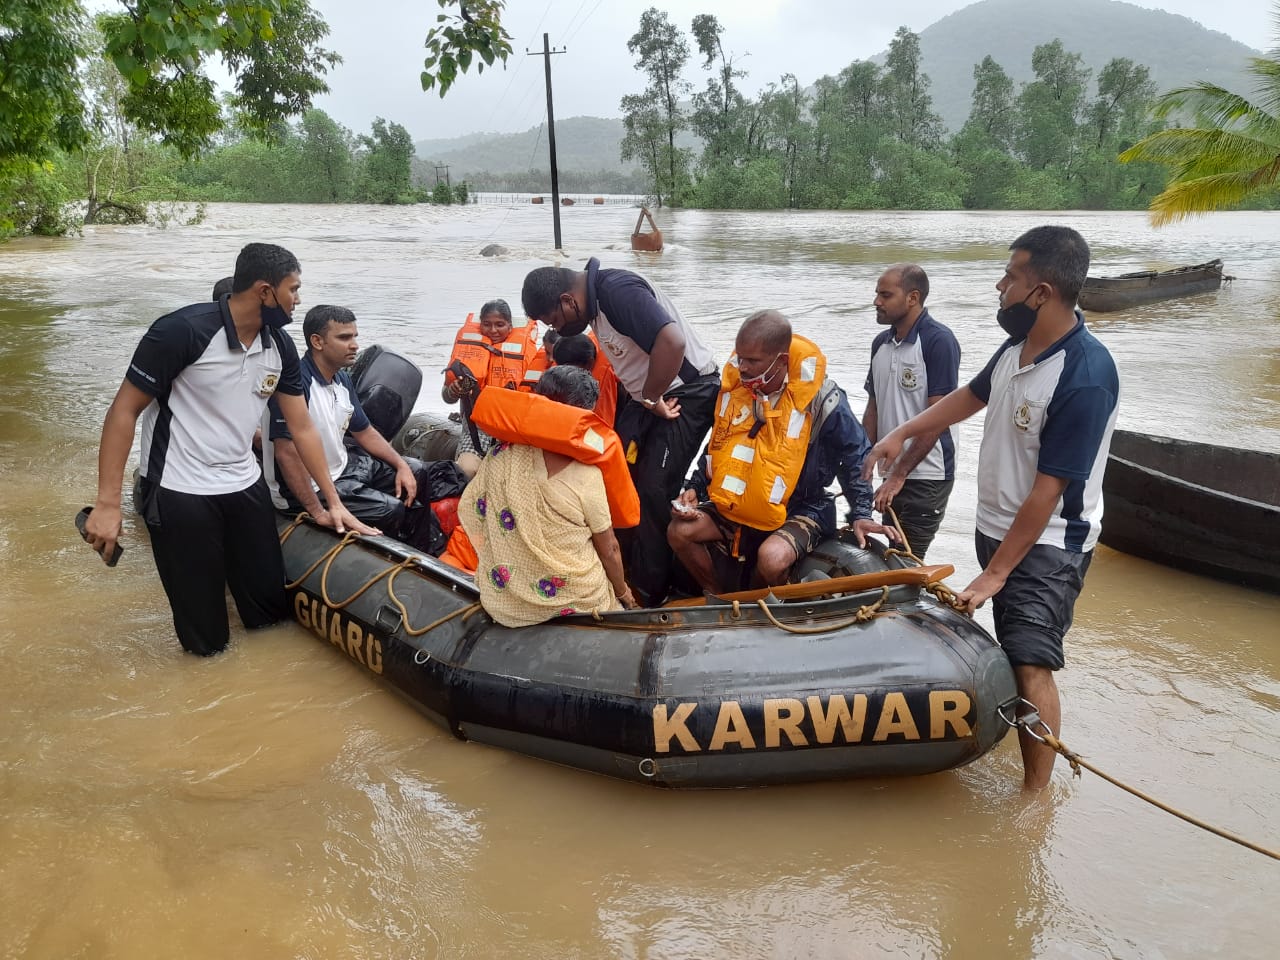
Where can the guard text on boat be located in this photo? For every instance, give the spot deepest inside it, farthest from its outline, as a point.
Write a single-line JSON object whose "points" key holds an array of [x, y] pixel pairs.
{"points": [[896, 716], [346, 634]]}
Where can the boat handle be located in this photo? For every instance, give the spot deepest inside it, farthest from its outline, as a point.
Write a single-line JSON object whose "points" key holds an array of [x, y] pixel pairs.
{"points": [[420, 657]]}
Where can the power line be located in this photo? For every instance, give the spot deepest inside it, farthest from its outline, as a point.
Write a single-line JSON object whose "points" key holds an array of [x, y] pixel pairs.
{"points": [[583, 23]]}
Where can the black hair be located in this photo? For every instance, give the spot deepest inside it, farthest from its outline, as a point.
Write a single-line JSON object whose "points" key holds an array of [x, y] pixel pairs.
{"points": [[768, 328], [571, 385], [542, 290], [496, 306], [263, 261], [320, 316], [223, 286], [912, 277], [549, 341], [576, 351], [1058, 256]]}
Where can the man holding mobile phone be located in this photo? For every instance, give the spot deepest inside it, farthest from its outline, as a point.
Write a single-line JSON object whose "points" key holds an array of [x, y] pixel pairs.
{"points": [[199, 380]]}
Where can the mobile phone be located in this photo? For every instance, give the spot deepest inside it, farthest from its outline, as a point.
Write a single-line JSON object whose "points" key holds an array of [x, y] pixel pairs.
{"points": [[81, 519], [682, 507]]}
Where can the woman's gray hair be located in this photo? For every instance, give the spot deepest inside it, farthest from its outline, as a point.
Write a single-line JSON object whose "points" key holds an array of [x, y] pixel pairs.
{"points": [[570, 385]]}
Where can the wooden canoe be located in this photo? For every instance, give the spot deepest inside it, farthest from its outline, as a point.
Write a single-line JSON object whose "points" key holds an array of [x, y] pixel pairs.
{"points": [[1104, 294], [1208, 509]]}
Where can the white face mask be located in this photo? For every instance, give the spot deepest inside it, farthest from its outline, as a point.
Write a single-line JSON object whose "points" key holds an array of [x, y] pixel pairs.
{"points": [[756, 384]]}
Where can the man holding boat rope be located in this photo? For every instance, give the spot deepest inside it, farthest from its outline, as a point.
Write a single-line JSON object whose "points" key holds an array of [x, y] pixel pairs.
{"points": [[1050, 392]]}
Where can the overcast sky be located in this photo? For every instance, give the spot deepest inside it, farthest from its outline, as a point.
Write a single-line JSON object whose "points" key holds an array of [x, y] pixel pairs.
{"points": [[381, 44]]}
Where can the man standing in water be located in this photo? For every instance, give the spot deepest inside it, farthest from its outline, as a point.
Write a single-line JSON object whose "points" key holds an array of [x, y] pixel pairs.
{"points": [[200, 379], [1051, 392], [914, 364], [667, 403]]}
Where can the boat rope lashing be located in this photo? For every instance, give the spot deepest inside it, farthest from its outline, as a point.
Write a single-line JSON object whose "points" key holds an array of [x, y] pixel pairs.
{"points": [[948, 597], [324, 579], [905, 550], [464, 612], [327, 555], [861, 615], [297, 522], [1028, 723]]}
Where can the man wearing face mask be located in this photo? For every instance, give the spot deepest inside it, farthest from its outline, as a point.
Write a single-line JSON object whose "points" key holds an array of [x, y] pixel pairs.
{"points": [[1051, 392], [200, 379], [783, 432], [669, 384]]}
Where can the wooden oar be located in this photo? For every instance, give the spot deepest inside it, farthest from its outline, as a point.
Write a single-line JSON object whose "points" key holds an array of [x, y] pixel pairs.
{"points": [[856, 583]]}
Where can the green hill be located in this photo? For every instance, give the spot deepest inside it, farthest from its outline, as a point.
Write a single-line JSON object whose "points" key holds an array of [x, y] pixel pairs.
{"points": [[1176, 49]]}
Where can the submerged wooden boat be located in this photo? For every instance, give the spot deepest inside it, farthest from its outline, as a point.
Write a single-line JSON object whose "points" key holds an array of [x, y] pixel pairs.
{"points": [[1207, 509], [866, 674], [1104, 294], [650, 242]]}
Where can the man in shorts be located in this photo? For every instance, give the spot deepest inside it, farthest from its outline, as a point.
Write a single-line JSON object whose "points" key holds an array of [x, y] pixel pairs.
{"points": [[782, 433], [1051, 392]]}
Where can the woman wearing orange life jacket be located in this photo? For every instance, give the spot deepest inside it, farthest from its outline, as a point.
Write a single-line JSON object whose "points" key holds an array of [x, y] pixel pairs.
{"points": [[494, 354], [540, 518]]}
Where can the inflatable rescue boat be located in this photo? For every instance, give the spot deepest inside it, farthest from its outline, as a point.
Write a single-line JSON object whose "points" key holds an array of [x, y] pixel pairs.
{"points": [[860, 669]]}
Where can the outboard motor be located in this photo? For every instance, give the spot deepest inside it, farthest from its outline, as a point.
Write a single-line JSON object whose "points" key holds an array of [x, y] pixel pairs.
{"points": [[387, 384]]}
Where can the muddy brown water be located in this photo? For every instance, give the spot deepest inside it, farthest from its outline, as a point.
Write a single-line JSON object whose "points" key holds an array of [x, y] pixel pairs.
{"points": [[278, 802]]}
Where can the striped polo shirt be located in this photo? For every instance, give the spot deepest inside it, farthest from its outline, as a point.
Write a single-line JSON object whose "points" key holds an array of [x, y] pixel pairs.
{"points": [[1053, 416]]}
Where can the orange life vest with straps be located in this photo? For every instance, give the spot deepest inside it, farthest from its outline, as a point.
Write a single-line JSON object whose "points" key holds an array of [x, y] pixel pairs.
{"points": [[494, 364], [757, 451], [571, 431]]}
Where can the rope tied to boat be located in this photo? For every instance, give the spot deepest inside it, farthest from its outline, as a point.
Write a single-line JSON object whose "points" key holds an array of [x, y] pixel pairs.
{"points": [[861, 615], [905, 550], [1034, 726]]}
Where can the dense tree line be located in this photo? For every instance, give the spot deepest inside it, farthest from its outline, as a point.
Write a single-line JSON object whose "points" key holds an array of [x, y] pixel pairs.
{"points": [[868, 138]]}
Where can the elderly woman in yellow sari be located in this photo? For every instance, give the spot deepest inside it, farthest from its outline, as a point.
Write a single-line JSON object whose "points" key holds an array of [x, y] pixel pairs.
{"points": [[541, 526]]}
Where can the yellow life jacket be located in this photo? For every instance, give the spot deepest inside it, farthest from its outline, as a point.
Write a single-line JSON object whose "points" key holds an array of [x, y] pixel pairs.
{"points": [[757, 451], [495, 364]]}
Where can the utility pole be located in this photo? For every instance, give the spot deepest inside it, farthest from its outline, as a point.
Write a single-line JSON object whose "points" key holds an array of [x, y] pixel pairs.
{"points": [[551, 134], [445, 168]]}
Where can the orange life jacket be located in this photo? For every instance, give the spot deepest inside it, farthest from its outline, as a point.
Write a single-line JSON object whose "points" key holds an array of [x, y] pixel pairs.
{"points": [[460, 554], [570, 431], [755, 463], [494, 364]]}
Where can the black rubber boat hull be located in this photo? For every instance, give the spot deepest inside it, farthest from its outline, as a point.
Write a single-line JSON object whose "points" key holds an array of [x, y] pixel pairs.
{"points": [[1207, 509], [707, 696]]}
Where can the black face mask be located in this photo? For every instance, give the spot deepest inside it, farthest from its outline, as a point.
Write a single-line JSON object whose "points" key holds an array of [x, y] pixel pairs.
{"points": [[1018, 319], [274, 316], [577, 326]]}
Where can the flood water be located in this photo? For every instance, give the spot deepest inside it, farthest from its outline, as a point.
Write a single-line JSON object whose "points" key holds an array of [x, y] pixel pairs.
{"points": [[277, 802]]}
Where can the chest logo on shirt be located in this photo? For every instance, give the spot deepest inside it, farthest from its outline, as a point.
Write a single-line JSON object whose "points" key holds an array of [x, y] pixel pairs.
{"points": [[610, 344], [1022, 417], [907, 379], [267, 385]]}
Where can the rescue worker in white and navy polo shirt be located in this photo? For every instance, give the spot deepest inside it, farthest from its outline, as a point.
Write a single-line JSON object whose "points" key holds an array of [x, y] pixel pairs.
{"points": [[914, 364], [1051, 392], [200, 379]]}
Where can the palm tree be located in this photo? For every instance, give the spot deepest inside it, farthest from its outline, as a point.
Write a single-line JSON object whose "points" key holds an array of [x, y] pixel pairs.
{"points": [[1233, 151]]}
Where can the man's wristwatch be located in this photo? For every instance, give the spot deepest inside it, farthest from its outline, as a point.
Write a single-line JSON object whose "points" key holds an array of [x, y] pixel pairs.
{"points": [[649, 404]]}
